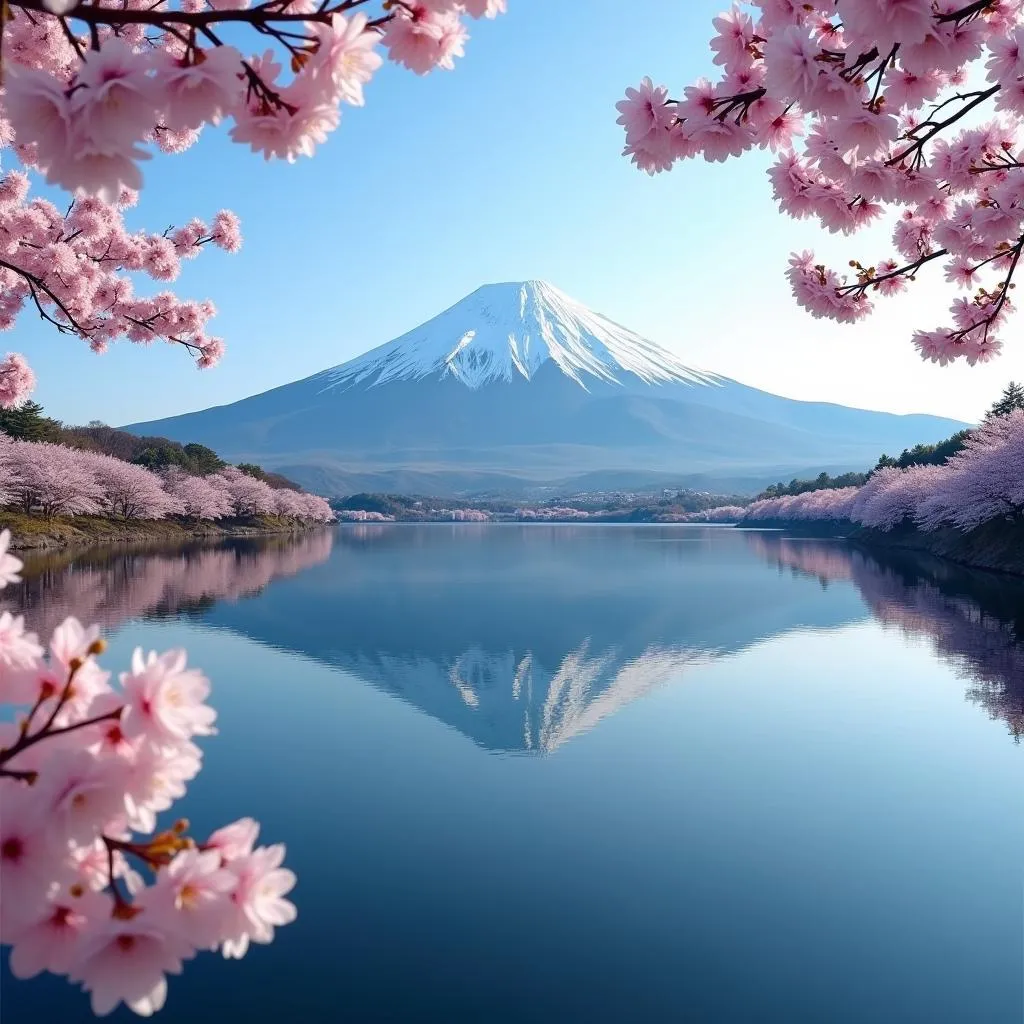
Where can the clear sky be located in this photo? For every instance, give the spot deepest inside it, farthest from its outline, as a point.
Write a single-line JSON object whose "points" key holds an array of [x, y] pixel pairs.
{"points": [[508, 168]]}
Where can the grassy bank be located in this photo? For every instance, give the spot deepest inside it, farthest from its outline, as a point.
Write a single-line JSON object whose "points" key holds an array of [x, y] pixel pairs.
{"points": [[31, 533]]}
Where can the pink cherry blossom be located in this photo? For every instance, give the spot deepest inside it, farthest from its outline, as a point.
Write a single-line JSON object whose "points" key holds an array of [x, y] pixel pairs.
{"points": [[17, 380], [87, 107], [422, 39], [258, 903], [227, 231], [80, 793], [346, 51], [128, 961], [877, 90], [164, 699], [116, 101], [31, 858], [38, 110], [52, 939], [202, 87], [190, 897]]}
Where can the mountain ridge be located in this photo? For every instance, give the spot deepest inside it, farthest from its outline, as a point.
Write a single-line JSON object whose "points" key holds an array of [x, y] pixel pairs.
{"points": [[519, 383], [512, 328]]}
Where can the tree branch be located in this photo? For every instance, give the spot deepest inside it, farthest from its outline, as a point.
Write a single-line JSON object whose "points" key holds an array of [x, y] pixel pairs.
{"points": [[862, 286], [34, 283], [919, 144], [264, 15]]}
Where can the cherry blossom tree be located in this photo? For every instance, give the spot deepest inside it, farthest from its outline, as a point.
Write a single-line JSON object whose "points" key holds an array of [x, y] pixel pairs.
{"points": [[92, 89], [829, 504], [893, 497], [719, 514], [316, 509], [129, 492], [248, 496], [8, 471], [51, 479], [289, 504], [982, 482], [910, 108], [197, 496]]}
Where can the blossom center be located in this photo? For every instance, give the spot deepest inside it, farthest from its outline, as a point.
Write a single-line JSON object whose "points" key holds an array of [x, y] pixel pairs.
{"points": [[12, 849]]}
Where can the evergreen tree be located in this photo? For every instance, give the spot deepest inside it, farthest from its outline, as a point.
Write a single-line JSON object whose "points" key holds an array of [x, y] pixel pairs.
{"points": [[202, 460], [27, 423], [1012, 398]]}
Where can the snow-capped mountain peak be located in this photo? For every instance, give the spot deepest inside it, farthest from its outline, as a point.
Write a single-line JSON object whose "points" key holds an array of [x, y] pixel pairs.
{"points": [[504, 331]]}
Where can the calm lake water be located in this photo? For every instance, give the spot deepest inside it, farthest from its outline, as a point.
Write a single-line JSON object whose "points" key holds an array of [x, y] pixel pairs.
{"points": [[577, 773]]}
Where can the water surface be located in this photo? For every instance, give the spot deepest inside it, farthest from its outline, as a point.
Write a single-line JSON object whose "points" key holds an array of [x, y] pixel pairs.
{"points": [[560, 773]]}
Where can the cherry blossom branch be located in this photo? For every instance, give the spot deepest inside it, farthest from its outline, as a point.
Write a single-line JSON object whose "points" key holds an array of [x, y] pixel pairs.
{"points": [[965, 13], [264, 15], [938, 126], [995, 306], [27, 741], [65, 692], [743, 100], [34, 282], [909, 270]]}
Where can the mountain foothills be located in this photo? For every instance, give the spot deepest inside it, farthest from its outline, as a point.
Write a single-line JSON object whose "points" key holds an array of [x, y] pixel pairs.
{"points": [[518, 387]]}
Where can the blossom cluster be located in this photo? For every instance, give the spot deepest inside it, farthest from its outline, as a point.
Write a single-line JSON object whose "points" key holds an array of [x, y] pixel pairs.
{"points": [[359, 515], [908, 106], [53, 479], [718, 514], [549, 512], [71, 267], [89, 889], [984, 481], [90, 90], [822, 505]]}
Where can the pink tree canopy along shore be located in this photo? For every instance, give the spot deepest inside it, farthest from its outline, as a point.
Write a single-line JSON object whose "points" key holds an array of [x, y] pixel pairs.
{"points": [[907, 109], [982, 482], [92, 89], [93, 886]]}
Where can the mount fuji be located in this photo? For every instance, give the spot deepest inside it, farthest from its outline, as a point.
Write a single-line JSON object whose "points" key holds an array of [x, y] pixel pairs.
{"points": [[519, 387]]}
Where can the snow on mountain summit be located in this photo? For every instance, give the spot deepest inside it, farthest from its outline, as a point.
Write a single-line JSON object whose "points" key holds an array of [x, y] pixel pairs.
{"points": [[502, 331]]}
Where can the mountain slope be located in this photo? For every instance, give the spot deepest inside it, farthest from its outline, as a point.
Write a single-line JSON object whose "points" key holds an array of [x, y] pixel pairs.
{"points": [[519, 385]]}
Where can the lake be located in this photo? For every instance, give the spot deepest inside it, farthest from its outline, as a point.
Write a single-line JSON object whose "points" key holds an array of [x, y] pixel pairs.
{"points": [[587, 773]]}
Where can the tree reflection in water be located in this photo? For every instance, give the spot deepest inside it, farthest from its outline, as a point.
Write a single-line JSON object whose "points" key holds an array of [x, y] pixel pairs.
{"points": [[973, 620]]}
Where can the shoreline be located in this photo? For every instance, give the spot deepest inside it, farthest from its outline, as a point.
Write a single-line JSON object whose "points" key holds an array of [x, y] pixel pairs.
{"points": [[31, 534], [995, 546]]}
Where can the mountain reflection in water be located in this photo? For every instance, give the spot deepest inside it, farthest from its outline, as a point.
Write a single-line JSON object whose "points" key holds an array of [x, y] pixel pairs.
{"points": [[522, 638]]}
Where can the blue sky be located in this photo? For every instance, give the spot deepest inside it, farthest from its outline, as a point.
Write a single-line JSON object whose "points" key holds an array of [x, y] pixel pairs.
{"points": [[507, 168]]}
